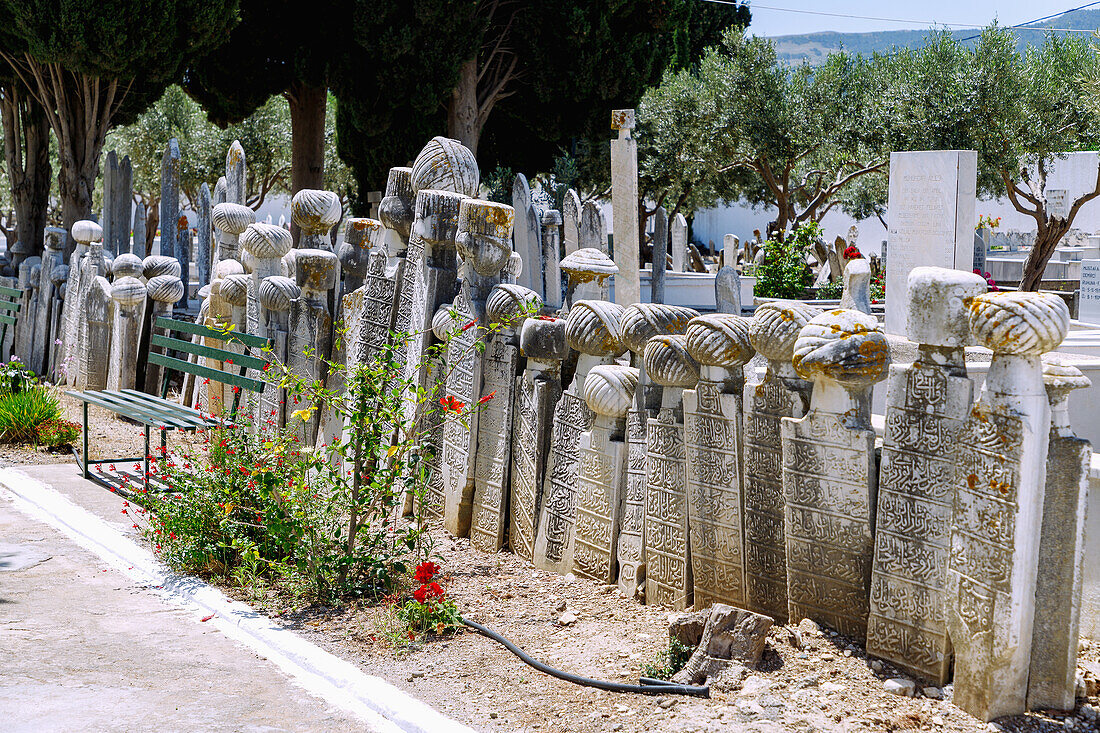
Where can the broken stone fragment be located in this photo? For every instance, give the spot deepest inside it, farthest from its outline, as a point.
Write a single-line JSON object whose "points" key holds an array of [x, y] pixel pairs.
{"points": [[731, 636]]}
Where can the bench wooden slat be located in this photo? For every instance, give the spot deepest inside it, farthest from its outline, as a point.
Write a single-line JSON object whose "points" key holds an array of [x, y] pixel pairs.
{"points": [[190, 411], [199, 370], [155, 409], [10, 306], [10, 320], [210, 352], [126, 411], [197, 329], [11, 292]]}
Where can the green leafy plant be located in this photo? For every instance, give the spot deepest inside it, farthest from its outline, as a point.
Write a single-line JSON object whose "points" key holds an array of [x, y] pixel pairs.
{"points": [[15, 377], [784, 272], [429, 611], [830, 291], [58, 433], [23, 413], [668, 661]]}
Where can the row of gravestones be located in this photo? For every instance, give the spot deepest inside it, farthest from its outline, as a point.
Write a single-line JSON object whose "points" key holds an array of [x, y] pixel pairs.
{"points": [[674, 477]]}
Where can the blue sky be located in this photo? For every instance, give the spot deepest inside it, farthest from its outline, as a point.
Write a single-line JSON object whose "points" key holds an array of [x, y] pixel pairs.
{"points": [[767, 22]]}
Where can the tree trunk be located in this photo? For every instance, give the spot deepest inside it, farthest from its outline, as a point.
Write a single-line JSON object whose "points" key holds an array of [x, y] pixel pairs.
{"points": [[462, 110], [75, 184], [307, 147], [27, 154], [1046, 241]]}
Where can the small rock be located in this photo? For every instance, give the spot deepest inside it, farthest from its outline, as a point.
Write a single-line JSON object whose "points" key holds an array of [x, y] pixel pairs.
{"points": [[832, 687], [666, 702], [796, 639], [811, 680], [755, 685], [493, 715], [934, 693], [560, 607], [803, 655], [1088, 712], [876, 666], [622, 708], [900, 686], [750, 708], [807, 626], [937, 721], [617, 726], [828, 657], [847, 652], [417, 673], [993, 728], [687, 628], [567, 619]]}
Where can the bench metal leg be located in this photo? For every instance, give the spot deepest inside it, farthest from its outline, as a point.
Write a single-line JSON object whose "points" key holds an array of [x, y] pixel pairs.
{"points": [[146, 459], [84, 457]]}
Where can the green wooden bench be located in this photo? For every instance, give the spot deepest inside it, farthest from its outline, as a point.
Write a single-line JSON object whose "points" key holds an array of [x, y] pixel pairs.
{"points": [[11, 300], [160, 413]]}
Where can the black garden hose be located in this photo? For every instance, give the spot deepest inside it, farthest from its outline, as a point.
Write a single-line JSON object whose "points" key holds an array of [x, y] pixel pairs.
{"points": [[647, 686]]}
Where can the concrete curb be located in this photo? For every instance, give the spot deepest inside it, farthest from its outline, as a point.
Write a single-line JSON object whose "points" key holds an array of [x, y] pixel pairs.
{"points": [[338, 682]]}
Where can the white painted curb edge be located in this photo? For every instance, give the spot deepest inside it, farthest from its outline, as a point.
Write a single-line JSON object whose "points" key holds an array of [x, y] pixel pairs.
{"points": [[380, 704]]}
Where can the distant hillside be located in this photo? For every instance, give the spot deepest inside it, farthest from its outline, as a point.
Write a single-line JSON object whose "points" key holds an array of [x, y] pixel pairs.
{"points": [[814, 47]]}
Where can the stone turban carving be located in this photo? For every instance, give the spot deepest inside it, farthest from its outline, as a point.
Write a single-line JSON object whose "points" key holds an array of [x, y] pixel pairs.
{"points": [[53, 238], [59, 275], [592, 327], [396, 209], [127, 265], [484, 237], [87, 231], [642, 321], [276, 292], [266, 241], [1019, 323], [166, 288], [155, 265], [1060, 376], [587, 264], [235, 289], [939, 301], [315, 211], [225, 268], [444, 322], [843, 345], [668, 363], [436, 219], [609, 389], [543, 339], [776, 325], [315, 269], [446, 165], [514, 268], [551, 218], [509, 304], [128, 290], [720, 339], [232, 218]]}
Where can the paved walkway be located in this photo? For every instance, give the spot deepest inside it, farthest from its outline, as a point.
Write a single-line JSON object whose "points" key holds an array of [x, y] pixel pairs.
{"points": [[82, 648]]}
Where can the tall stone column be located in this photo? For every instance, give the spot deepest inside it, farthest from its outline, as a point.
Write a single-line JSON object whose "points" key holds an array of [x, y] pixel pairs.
{"points": [[316, 213], [668, 578], [551, 258], [276, 294], [713, 446], [506, 308], [624, 207], [311, 327], [138, 247], [592, 328], [484, 241], [1000, 480], [97, 334], [129, 296], [164, 292], [538, 389], [782, 393], [609, 393], [169, 198], [203, 250], [829, 472], [1052, 679], [236, 175], [926, 404], [659, 266], [641, 322], [525, 244], [679, 237]]}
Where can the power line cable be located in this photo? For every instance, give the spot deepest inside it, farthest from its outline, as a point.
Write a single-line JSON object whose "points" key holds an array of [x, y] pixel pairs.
{"points": [[1018, 26]]}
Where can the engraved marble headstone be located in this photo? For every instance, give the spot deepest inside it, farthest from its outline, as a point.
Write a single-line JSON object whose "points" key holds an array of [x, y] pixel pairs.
{"points": [[551, 258], [679, 238], [310, 339], [926, 404], [857, 286], [203, 243], [593, 235], [84, 232], [275, 295], [236, 190], [713, 440], [532, 257], [129, 296], [571, 222], [624, 207], [829, 471], [660, 256], [169, 198], [97, 334], [1000, 480]]}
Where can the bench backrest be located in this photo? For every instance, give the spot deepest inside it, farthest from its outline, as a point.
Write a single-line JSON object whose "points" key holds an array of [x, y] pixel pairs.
{"points": [[11, 300], [240, 361]]}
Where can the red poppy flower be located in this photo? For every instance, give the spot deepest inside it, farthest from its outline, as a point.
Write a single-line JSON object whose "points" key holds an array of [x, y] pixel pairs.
{"points": [[451, 404], [425, 571], [487, 397]]}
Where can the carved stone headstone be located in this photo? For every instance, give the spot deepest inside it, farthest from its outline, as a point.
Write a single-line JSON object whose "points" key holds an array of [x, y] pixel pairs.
{"points": [[276, 293], [587, 273], [97, 334], [310, 338], [49, 301], [182, 254], [169, 198], [360, 237], [138, 246], [163, 291], [593, 235], [1000, 481], [727, 290], [660, 256], [713, 440], [668, 578], [926, 404], [266, 244], [571, 222], [129, 295], [532, 257], [236, 191], [624, 207], [829, 471], [592, 328], [118, 199], [1052, 679], [679, 238], [231, 220], [203, 249], [857, 286], [538, 389], [609, 393], [316, 213], [84, 232], [551, 258]]}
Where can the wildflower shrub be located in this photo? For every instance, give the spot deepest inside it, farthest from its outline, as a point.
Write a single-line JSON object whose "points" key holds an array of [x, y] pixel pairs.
{"points": [[31, 412]]}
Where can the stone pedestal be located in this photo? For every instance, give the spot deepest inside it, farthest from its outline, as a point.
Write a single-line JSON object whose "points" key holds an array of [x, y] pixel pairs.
{"points": [[926, 404], [668, 580], [129, 296], [538, 389], [713, 440], [1000, 480], [609, 392], [829, 472], [592, 328]]}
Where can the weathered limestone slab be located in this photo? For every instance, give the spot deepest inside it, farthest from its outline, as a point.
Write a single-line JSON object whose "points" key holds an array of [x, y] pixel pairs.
{"points": [[571, 222], [236, 190], [609, 393], [138, 246], [679, 238], [30, 272], [730, 637], [660, 256], [713, 440], [640, 322], [311, 327], [727, 290], [316, 213], [926, 404], [857, 286], [1000, 479], [1052, 679], [97, 334], [117, 199], [551, 258], [507, 306], [484, 240], [829, 472], [668, 554], [182, 254], [203, 249], [592, 328], [169, 198], [538, 390], [49, 301], [532, 258], [84, 232], [129, 296], [624, 208]]}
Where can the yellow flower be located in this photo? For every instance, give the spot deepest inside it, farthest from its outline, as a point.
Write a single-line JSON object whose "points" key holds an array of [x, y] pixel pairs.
{"points": [[304, 414]]}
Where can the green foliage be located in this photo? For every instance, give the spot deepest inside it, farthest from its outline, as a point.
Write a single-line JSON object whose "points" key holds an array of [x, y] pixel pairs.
{"points": [[668, 661], [499, 182], [784, 272], [831, 290], [15, 377], [23, 413], [429, 611]]}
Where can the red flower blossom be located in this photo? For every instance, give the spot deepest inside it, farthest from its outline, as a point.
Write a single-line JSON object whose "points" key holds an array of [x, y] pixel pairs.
{"points": [[434, 590], [451, 404], [421, 594], [852, 253], [487, 397], [425, 571]]}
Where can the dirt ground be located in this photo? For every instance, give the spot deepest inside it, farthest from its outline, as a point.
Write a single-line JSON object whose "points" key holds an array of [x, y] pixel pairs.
{"points": [[826, 683]]}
